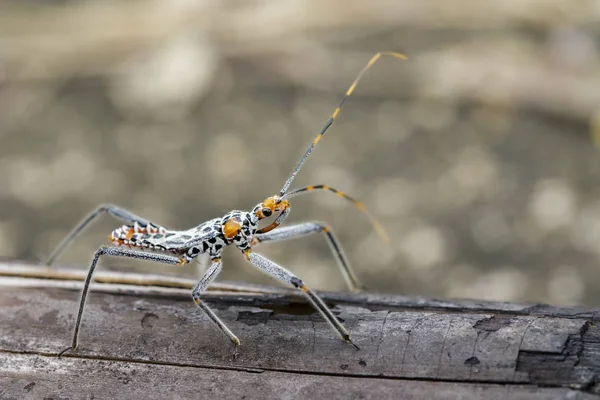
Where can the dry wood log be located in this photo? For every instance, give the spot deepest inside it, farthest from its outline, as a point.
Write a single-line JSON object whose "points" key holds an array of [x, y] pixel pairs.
{"points": [[151, 342]]}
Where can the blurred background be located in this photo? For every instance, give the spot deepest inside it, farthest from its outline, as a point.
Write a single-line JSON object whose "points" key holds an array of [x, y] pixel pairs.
{"points": [[479, 154]]}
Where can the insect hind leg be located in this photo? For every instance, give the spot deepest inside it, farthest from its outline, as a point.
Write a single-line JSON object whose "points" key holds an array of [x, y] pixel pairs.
{"points": [[209, 276], [276, 271], [116, 212], [308, 228], [114, 252]]}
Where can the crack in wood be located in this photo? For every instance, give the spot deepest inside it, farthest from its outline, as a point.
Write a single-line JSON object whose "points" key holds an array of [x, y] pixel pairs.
{"points": [[472, 356], [406, 346], [437, 372], [250, 369], [381, 337], [564, 366], [521, 344], [314, 342]]}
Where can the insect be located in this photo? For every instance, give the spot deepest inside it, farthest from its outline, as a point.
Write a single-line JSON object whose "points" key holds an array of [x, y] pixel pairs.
{"points": [[141, 239]]}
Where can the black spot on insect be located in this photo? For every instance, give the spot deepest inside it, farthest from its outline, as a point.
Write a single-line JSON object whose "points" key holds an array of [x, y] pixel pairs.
{"points": [[146, 236], [195, 250], [158, 236], [207, 229], [204, 246], [296, 282], [212, 240], [218, 247]]}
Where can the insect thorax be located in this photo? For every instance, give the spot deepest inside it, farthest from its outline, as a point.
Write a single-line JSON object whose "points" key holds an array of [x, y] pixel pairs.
{"points": [[239, 227]]}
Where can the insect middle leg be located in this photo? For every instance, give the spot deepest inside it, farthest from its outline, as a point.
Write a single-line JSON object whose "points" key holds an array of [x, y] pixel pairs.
{"points": [[308, 228], [110, 209], [114, 252], [282, 274], [209, 276]]}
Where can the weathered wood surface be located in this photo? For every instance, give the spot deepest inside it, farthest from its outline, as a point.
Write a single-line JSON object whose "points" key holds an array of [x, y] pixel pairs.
{"points": [[150, 342]]}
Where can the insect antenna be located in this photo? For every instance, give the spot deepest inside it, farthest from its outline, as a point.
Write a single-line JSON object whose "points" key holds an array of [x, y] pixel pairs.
{"points": [[335, 114], [359, 204]]}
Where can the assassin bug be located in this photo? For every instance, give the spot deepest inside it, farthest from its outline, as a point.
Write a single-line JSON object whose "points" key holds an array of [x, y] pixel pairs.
{"points": [[142, 239]]}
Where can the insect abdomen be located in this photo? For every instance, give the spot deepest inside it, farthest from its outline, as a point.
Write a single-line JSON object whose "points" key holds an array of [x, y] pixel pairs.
{"points": [[142, 236]]}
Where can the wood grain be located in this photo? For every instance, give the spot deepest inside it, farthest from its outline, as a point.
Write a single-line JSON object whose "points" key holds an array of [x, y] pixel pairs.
{"points": [[137, 344]]}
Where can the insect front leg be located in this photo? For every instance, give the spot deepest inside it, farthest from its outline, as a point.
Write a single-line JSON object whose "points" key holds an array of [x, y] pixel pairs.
{"points": [[114, 252], [308, 228], [110, 209], [270, 268], [210, 275]]}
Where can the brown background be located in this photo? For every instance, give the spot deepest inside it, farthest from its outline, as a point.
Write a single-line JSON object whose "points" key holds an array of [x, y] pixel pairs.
{"points": [[476, 153]]}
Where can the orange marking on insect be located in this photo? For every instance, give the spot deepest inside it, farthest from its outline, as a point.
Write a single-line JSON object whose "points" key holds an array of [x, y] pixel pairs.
{"points": [[397, 55], [129, 234], [351, 89], [336, 112], [304, 288], [274, 203], [325, 229], [247, 253], [317, 139], [373, 60], [339, 194], [309, 188], [361, 206], [232, 227], [325, 187], [182, 261]]}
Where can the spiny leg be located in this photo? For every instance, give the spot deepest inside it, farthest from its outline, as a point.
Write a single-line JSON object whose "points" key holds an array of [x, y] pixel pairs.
{"points": [[208, 277], [110, 209], [280, 273], [308, 228], [114, 252]]}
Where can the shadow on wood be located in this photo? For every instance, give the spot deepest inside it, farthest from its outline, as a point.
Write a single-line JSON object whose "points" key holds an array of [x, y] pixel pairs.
{"points": [[139, 341]]}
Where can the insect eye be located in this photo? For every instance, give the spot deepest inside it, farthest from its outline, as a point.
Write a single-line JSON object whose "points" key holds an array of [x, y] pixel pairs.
{"points": [[267, 212]]}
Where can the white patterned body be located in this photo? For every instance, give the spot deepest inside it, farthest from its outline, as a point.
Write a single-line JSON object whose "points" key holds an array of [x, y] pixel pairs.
{"points": [[236, 227]]}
